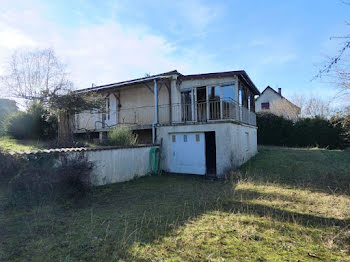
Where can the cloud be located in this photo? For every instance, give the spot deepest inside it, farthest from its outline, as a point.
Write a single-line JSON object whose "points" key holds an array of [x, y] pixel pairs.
{"points": [[99, 53], [197, 14], [12, 38]]}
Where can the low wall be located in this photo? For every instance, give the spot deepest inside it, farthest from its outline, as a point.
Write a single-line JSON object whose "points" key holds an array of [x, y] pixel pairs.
{"points": [[119, 164], [111, 164]]}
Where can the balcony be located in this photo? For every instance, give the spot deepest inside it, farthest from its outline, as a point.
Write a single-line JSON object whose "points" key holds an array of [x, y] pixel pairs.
{"points": [[143, 117]]}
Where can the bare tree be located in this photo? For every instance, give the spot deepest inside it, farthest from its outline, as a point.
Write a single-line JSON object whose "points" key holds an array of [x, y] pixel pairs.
{"points": [[338, 67], [313, 106], [40, 76], [35, 75], [341, 76], [342, 119]]}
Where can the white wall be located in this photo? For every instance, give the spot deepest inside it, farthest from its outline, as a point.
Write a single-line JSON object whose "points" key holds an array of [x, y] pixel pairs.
{"points": [[119, 165], [267, 96], [278, 105], [230, 151], [111, 164]]}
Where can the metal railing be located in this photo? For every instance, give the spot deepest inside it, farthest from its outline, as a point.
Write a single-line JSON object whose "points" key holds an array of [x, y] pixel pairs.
{"points": [[223, 109]]}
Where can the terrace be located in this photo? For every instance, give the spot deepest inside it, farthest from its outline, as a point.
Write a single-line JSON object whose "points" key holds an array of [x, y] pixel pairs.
{"points": [[180, 113]]}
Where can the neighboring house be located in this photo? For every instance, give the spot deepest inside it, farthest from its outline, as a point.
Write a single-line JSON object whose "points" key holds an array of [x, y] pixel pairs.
{"points": [[205, 122], [273, 101]]}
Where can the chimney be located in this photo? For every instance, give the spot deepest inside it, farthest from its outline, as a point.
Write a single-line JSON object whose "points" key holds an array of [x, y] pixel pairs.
{"points": [[280, 91]]}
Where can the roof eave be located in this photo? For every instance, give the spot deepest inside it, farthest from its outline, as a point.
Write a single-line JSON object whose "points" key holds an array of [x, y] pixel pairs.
{"points": [[122, 84], [241, 73]]}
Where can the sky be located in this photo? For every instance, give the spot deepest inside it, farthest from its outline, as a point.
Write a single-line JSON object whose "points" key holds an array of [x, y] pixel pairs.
{"points": [[278, 43]]}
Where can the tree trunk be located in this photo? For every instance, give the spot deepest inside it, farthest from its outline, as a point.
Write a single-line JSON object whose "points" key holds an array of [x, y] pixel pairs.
{"points": [[65, 129]]}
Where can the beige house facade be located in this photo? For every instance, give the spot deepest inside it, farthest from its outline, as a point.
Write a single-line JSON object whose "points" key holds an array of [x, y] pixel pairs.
{"points": [[205, 123], [272, 101]]}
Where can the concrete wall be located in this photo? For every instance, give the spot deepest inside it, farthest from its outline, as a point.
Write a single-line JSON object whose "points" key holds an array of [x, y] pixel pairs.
{"points": [[111, 164], [119, 164], [230, 137]]}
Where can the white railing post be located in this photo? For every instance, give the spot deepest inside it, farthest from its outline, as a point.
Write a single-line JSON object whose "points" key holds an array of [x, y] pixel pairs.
{"points": [[155, 101], [221, 109], [192, 104], [207, 103]]}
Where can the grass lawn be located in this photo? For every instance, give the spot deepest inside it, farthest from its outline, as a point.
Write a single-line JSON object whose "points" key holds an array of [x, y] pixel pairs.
{"points": [[290, 205], [11, 144]]}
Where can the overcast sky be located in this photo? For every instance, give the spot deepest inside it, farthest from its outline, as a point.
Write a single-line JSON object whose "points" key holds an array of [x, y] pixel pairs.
{"points": [[278, 43]]}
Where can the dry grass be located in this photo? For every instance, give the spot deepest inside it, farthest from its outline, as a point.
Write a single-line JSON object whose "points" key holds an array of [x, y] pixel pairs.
{"points": [[187, 218]]}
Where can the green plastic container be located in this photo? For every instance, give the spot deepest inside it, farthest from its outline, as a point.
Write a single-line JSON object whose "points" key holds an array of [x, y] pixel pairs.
{"points": [[154, 158]]}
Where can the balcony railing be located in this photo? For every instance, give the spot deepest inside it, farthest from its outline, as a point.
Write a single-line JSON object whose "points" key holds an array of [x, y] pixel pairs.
{"points": [[206, 111]]}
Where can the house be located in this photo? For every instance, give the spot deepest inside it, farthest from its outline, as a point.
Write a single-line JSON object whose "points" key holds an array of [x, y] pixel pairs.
{"points": [[273, 101], [206, 123]]}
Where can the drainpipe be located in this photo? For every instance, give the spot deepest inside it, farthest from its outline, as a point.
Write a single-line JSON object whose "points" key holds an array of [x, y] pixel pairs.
{"points": [[155, 111]]}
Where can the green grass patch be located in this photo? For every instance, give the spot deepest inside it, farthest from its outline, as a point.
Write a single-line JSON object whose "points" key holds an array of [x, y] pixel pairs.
{"points": [[317, 169], [10, 144], [268, 217]]}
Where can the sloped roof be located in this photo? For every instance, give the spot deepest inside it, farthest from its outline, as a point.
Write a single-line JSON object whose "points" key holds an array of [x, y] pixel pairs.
{"points": [[269, 87], [240, 73], [128, 82]]}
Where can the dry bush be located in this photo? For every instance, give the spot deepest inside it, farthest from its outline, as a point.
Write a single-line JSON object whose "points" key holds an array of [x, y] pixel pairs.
{"points": [[9, 165], [48, 177], [232, 175], [73, 176]]}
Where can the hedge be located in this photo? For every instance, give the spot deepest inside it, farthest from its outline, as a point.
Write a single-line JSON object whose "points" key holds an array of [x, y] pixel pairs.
{"points": [[306, 132]]}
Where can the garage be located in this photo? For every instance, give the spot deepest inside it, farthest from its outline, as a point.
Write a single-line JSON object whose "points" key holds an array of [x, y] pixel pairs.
{"points": [[188, 153]]}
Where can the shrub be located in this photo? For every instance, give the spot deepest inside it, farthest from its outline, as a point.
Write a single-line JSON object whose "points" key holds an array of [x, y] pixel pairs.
{"points": [[316, 132], [121, 136], [7, 107], [36, 123], [73, 176], [44, 177], [8, 166], [20, 125], [45, 124], [275, 130]]}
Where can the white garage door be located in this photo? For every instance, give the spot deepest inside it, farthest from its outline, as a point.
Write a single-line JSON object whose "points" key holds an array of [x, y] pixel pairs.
{"points": [[187, 153]]}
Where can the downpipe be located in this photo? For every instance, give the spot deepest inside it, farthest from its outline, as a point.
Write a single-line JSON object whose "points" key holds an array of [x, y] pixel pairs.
{"points": [[155, 111]]}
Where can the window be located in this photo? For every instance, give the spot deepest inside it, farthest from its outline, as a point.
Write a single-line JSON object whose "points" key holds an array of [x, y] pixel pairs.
{"points": [[228, 92], [186, 101], [265, 106], [240, 96], [214, 93], [185, 138], [249, 105], [246, 141], [108, 108], [173, 138], [197, 138], [186, 97]]}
